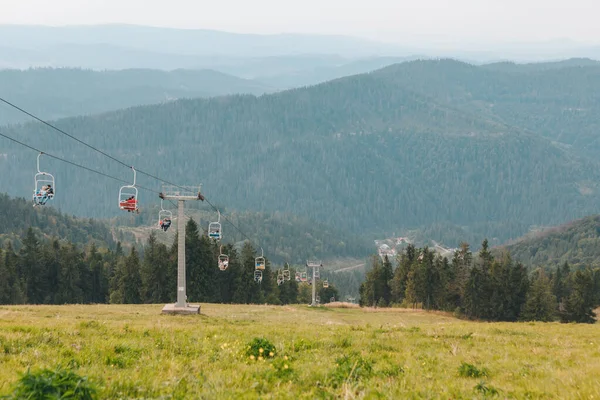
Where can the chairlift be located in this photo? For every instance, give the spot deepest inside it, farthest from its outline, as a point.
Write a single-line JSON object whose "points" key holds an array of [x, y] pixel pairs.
{"points": [[44, 187], [286, 272], [165, 218], [214, 229], [303, 277], [280, 279], [259, 262], [325, 284], [298, 277], [223, 260], [128, 196], [258, 276]]}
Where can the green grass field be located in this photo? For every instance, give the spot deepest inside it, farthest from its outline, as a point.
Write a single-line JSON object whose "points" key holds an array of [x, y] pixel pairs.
{"points": [[135, 352]]}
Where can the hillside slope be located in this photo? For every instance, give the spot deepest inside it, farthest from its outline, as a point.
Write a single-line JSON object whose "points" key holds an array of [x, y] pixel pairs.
{"points": [[577, 242], [58, 93], [367, 153], [17, 215], [557, 101]]}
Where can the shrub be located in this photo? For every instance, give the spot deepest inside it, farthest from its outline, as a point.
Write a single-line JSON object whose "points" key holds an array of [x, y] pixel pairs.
{"points": [[467, 370], [53, 384], [260, 347]]}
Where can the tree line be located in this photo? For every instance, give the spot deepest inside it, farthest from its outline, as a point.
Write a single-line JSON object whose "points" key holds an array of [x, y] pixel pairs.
{"points": [[58, 272], [482, 286]]}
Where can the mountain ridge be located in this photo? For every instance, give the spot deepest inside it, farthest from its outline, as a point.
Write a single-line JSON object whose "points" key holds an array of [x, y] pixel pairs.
{"points": [[366, 153]]}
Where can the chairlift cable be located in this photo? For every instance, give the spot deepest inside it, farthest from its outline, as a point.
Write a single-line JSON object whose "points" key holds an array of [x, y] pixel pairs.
{"points": [[110, 157]]}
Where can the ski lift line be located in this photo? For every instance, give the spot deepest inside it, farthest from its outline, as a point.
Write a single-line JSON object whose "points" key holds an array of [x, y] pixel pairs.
{"points": [[72, 163], [86, 144], [114, 159]]}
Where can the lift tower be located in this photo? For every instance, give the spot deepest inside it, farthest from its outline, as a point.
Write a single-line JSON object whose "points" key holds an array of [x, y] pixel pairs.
{"points": [[315, 265], [181, 194]]}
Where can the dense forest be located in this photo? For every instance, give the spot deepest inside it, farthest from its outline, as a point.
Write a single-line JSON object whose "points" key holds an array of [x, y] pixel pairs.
{"points": [[384, 152], [66, 92], [18, 215], [54, 272], [285, 238], [482, 286], [576, 243]]}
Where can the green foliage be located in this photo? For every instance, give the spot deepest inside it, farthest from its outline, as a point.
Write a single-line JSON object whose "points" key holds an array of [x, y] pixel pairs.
{"points": [[53, 384], [486, 390], [540, 304], [467, 370], [576, 243], [579, 305], [17, 216], [260, 347], [350, 368]]}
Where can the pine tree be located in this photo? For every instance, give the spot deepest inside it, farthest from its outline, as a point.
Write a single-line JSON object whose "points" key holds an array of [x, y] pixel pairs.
{"points": [[132, 282], [387, 274], [580, 303], [540, 304], [5, 280]]}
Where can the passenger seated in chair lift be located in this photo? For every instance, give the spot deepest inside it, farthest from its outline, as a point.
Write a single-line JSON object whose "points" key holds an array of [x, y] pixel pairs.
{"points": [[165, 223], [41, 196], [49, 190]]}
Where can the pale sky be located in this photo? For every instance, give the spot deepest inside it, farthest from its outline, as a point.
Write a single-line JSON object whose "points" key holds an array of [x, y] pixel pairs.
{"points": [[389, 20]]}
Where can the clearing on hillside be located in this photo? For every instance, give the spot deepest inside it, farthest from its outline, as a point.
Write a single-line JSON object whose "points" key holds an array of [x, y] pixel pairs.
{"points": [[135, 352]]}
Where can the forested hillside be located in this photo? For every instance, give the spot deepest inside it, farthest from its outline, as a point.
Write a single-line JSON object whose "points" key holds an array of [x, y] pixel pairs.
{"points": [[558, 101], [67, 92], [365, 153], [17, 216], [52, 272], [576, 243], [285, 238]]}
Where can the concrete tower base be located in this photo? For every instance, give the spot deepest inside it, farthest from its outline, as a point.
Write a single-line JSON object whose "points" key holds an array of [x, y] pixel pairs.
{"points": [[188, 310]]}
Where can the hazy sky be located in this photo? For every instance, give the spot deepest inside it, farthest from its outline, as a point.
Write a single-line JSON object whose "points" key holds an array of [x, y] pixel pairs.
{"points": [[392, 20]]}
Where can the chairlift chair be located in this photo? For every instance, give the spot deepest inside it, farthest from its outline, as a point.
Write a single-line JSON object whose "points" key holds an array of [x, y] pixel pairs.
{"points": [[259, 262], [258, 276], [128, 196], [303, 277], [44, 187], [223, 260], [286, 273], [165, 218], [325, 284], [214, 229], [298, 277]]}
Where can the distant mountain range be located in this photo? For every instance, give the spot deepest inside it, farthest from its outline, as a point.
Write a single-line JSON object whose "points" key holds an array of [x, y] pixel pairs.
{"points": [[418, 145], [130, 46], [59, 93]]}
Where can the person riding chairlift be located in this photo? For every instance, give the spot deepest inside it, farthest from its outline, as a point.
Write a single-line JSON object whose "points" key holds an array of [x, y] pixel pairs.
{"points": [[43, 195], [130, 205], [165, 223]]}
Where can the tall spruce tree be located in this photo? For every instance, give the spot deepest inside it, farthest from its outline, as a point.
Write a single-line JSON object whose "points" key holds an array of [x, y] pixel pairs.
{"points": [[540, 304]]}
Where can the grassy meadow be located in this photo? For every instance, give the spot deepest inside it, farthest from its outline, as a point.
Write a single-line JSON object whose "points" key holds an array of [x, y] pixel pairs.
{"points": [[135, 352]]}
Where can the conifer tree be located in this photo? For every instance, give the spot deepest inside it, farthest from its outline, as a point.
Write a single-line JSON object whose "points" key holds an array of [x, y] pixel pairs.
{"points": [[540, 304]]}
